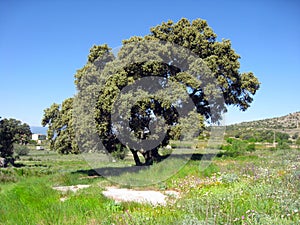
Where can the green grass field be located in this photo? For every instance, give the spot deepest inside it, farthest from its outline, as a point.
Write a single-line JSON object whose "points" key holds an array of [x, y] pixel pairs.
{"points": [[262, 187]]}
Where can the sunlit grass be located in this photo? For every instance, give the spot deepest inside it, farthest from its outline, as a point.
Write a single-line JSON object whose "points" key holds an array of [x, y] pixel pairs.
{"points": [[261, 187]]}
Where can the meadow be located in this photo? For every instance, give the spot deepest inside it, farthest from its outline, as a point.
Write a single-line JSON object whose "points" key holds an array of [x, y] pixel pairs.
{"points": [[260, 187]]}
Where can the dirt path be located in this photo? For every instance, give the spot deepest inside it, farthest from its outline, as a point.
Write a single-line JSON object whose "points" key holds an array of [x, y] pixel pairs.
{"points": [[128, 195]]}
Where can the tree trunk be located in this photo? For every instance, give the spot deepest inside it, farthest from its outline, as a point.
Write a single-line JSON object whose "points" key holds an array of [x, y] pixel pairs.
{"points": [[152, 156], [136, 158], [149, 156], [155, 155]]}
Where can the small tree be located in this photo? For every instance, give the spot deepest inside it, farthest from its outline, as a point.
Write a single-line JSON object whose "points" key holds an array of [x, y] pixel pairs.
{"points": [[11, 131]]}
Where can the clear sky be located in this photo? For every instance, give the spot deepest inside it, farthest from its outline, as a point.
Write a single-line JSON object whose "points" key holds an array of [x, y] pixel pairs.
{"points": [[43, 43]]}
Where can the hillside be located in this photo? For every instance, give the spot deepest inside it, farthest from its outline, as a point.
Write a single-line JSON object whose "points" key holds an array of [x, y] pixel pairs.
{"points": [[265, 129], [290, 121]]}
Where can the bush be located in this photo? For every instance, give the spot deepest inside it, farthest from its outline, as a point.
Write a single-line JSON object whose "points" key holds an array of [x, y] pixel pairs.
{"points": [[295, 136], [237, 147], [7, 176], [165, 151], [21, 150], [120, 152], [283, 145], [251, 147]]}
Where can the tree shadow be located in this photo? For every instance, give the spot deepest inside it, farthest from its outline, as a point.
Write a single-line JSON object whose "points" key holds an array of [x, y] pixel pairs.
{"points": [[112, 171], [117, 171], [19, 165], [196, 156]]}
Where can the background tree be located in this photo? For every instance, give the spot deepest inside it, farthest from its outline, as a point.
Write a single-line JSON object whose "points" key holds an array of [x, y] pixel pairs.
{"points": [[60, 118], [60, 127], [196, 36], [11, 131]]}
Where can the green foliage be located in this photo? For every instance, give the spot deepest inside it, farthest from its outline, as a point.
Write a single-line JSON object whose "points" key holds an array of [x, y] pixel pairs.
{"points": [[282, 145], [219, 56], [250, 147], [120, 152], [282, 137], [11, 131], [211, 169], [7, 176], [278, 129], [197, 37], [236, 147], [165, 151], [61, 134], [295, 136], [21, 150], [261, 188], [256, 135]]}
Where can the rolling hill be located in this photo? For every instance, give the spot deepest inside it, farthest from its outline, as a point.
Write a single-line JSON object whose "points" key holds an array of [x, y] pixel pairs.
{"points": [[290, 121], [288, 124]]}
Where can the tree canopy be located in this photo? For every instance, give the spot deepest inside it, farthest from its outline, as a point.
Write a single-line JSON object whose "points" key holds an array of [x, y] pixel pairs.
{"points": [[184, 59], [60, 127], [11, 131]]}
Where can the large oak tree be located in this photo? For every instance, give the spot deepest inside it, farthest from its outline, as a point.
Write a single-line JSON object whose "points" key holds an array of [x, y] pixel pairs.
{"points": [[219, 65]]}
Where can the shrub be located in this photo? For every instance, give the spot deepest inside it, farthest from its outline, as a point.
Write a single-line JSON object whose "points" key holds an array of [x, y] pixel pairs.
{"points": [[237, 147], [295, 136], [7, 176], [165, 151], [120, 152], [229, 178], [21, 150], [283, 145], [251, 147]]}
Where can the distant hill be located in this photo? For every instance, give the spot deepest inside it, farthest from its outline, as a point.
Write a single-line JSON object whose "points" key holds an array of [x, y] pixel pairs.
{"points": [[288, 124], [290, 121], [38, 130]]}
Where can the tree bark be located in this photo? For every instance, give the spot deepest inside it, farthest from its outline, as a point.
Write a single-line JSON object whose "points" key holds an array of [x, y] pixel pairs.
{"points": [[149, 156], [136, 158]]}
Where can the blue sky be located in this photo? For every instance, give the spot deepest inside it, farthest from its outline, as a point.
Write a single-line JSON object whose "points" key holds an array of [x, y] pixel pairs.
{"points": [[43, 43]]}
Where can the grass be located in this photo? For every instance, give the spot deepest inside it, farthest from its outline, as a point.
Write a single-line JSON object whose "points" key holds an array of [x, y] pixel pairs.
{"points": [[261, 187]]}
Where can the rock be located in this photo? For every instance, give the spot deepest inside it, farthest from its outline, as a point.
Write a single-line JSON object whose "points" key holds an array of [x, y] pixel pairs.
{"points": [[128, 195], [2, 162], [72, 188], [168, 147]]}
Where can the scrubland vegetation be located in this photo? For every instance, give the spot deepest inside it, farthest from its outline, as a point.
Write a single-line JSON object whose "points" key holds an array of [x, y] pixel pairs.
{"points": [[253, 187]]}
